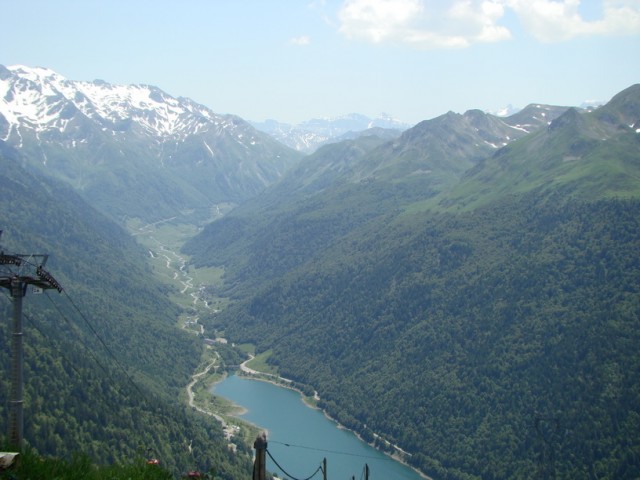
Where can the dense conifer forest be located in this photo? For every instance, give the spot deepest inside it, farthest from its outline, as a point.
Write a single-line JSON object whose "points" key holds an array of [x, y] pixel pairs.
{"points": [[485, 322], [495, 343], [104, 361]]}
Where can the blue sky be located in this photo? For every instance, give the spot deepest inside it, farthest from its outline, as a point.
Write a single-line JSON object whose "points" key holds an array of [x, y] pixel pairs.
{"points": [[293, 60]]}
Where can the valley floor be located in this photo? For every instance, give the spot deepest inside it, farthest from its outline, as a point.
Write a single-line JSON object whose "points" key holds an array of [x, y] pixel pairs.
{"points": [[164, 240]]}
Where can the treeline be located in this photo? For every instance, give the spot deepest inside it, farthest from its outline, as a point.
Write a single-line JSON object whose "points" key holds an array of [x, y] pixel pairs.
{"points": [[498, 343]]}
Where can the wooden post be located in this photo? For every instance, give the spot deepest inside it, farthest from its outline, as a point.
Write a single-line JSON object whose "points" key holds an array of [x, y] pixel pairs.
{"points": [[366, 472], [324, 468], [260, 462]]}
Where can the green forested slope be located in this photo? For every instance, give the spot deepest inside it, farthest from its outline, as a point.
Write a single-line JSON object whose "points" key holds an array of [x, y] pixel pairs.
{"points": [[331, 193], [114, 400], [311, 208], [343, 185], [489, 326], [453, 335]]}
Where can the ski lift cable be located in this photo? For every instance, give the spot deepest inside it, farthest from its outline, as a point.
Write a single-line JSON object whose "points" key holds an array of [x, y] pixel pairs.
{"points": [[106, 347], [331, 451], [82, 342], [319, 469], [60, 352], [41, 271], [138, 390]]}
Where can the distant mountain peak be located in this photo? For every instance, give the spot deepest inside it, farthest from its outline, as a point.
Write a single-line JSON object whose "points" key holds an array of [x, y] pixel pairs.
{"points": [[505, 111], [307, 136]]}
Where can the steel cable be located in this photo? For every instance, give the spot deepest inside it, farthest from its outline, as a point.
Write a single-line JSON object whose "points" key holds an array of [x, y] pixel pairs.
{"points": [[319, 469]]}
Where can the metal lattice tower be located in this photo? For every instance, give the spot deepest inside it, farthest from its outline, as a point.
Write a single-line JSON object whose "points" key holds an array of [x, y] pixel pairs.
{"points": [[18, 273]]}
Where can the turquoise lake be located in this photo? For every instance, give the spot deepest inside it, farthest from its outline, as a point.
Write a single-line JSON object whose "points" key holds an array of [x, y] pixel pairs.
{"points": [[310, 435]]}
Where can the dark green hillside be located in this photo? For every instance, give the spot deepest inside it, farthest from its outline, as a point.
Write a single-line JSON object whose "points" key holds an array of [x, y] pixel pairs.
{"points": [[258, 248], [341, 187], [453, 336], [316, 203], [486, 320], [99, 259], [78, 397]]}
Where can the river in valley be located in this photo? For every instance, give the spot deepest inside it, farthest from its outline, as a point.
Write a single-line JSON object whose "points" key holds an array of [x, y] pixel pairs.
{"points": [[299, 437]]}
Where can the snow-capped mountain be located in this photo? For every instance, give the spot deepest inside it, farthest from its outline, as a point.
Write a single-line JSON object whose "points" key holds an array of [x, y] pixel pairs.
{"points": [[308, 136], [114, 141], [42, 100]]}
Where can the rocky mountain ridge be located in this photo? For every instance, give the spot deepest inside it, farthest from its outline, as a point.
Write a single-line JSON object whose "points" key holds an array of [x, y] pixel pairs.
{"points": [[135, 145], [43, 100]]}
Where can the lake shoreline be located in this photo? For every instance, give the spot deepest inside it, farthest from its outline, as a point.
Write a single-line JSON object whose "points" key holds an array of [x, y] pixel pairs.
{"points": [[287, 383]]}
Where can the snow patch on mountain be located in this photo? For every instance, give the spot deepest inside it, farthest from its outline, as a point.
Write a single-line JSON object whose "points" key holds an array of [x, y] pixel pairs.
{"points": [[505, 111], [39, 99]]}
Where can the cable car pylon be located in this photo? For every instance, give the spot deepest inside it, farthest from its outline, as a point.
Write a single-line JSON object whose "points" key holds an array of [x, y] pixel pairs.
{"points": [[17, 275]]}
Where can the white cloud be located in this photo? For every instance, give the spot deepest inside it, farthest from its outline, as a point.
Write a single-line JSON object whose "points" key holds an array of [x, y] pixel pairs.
{"points": [[423, 23], [553, 21], [301, 41], [461, 23], [377, 20]]}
